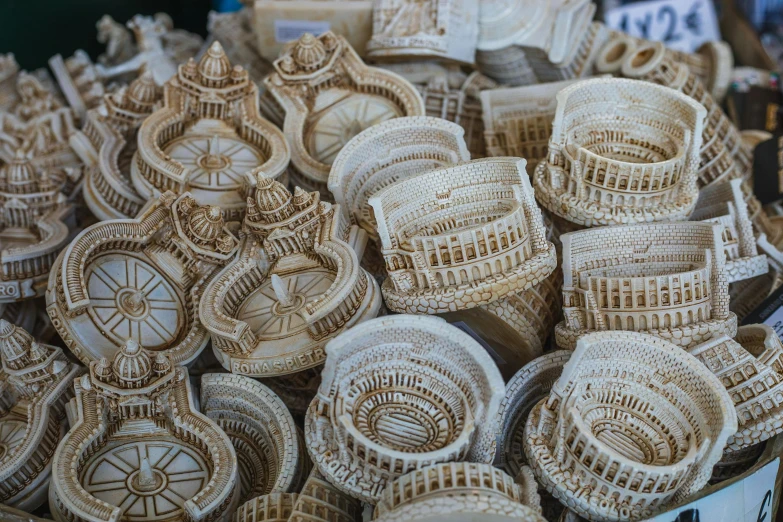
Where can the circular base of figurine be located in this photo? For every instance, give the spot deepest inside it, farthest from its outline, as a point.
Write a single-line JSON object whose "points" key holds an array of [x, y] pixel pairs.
{"points": [[105, 201]]}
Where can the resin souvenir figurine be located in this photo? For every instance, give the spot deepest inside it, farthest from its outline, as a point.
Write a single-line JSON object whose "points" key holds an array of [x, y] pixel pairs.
{"points": [[445, 30], [270, 456], [140, 279], [198, 141], [507, 66], [234, 31], [327, 95], [633, 423], [36, 384], [118, 39], [665, 279], [139, 451], [9, 70], [430, 394], [455, 491], [295, 284], [621, 152]]}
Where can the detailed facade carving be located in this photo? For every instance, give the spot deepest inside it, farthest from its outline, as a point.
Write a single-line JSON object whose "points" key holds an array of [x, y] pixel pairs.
{"points": [[424, 29], [295, 284], [621, 152], [430, 395], [461, 236], [208, 138], [632, 424], [140, 279], [139, 450], [35, 385], [327, 95]]}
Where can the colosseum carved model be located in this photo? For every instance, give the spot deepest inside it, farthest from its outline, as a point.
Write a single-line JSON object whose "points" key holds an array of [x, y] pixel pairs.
{"points": [[36, 384], [295, 284], [327, 95], [209, 137], [621, 152], [140, 279], [138, 449], [633, 423], [431, 395], [665, 279], [461, 236]]}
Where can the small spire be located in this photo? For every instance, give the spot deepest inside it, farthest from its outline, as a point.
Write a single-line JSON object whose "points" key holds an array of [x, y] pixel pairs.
{"points": [[281, 291], [146, 476], [214, 160]]}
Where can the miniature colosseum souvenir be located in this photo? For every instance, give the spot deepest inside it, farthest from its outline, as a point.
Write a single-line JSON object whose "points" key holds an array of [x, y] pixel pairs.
{"points": [[633, 423], [665, 279], [138, 449], [260, 428], [457, 491], [198, 142], [140, 279], [621, 152], [295, 284], [444, 30], [430, 394], [461, 236], [327, 95], [763, 343], [108, 141], [36, 384]]}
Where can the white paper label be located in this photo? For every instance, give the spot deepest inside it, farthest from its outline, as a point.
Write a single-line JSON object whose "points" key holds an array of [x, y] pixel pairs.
{"points": [[290, 30], [775, 321], [749, 500], [680, 24]]}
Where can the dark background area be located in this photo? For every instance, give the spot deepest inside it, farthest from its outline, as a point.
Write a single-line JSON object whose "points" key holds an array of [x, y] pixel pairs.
{"points": [[35, 30]]}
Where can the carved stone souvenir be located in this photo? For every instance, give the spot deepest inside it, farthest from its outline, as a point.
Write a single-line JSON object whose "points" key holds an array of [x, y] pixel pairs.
{"points": [[140, 279], [138, 449], [235, 33], [442, 29], [208, 138], [507, 66], [665, 279], [763, 343], [430, 394], [327, 96], [260, 428], [35, 385], [621, 152], [632, 424], [295, 284], [9, 70], [457, 491]]}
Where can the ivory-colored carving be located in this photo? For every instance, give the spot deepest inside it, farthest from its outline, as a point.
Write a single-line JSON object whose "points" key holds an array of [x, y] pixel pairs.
{"points": [[507, 66], [9, 70], [430, 395], [235, 33], [35, 384], [442, 29], [327, 96], [260, 428], [140, 279], [198, 142], [295, 284], [138, 449], [621, 152], [389, 152], [632, 424], [665, 279], [455, 491], [461, 236]]}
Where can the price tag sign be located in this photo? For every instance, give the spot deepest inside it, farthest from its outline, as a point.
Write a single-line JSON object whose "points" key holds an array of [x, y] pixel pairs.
{"points": [[680, 24], [749, 500]]}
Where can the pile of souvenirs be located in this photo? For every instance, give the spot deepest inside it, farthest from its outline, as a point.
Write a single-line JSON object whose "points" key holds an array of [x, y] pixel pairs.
{"points": [[497, 274]]}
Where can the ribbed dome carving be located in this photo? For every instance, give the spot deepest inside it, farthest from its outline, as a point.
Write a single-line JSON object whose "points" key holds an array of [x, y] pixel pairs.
{"points": [[14, 342], [18, 176], [302, 198], [271, 195], [205, 224], [214, 65], [132, 365], [309, 52], [143, 90]]}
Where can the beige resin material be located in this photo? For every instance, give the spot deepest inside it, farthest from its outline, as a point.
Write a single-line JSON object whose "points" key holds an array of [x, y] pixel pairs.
{"points": [[457, 492], [461, 236], [763, 343], [198, 141], [442, 29], [140, 279], [234, 31], [260, 428], [35, 385], [9, 71], [666, 279], [507, 66], [295, 284], [139, 451], [430, 394], [621, 152], [389, 152], [327, 96], [632, 424]]}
